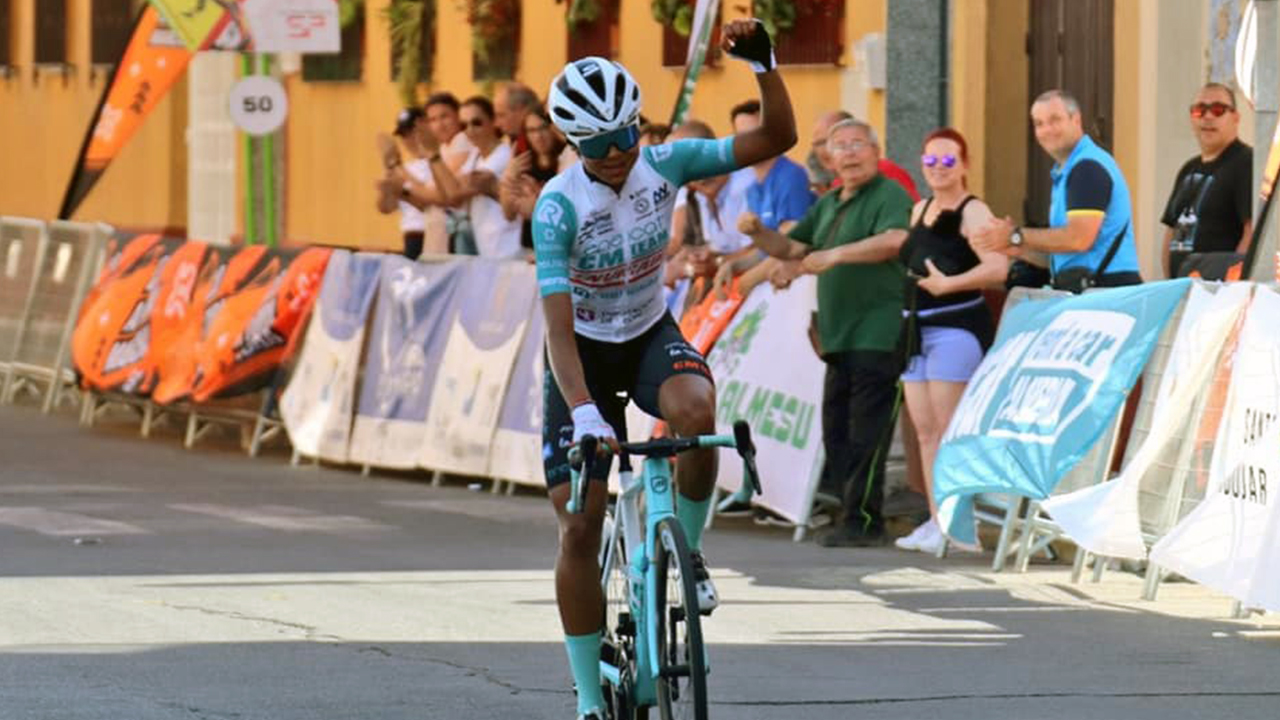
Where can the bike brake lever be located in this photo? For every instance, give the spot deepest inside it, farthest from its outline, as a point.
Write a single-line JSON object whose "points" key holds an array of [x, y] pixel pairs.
{"points": [[747, 451]]}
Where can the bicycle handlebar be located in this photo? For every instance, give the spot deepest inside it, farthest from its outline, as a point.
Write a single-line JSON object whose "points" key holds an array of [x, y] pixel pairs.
{"points": [[583, 456]]}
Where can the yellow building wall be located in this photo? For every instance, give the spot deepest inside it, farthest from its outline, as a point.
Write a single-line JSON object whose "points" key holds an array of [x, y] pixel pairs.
{"points": [[330, 160], [44, 115], [332, 164]]}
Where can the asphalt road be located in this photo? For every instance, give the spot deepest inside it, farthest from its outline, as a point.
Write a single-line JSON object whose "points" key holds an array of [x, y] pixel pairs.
{"points": [[141, 581]]}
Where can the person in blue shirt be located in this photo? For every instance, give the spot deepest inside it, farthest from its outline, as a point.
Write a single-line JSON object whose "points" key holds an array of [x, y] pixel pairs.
{"points": [[779, 196], [1089, 241]]}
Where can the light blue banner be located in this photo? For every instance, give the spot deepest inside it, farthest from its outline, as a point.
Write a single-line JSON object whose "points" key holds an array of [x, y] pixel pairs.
{"points": [[1057, 375]]}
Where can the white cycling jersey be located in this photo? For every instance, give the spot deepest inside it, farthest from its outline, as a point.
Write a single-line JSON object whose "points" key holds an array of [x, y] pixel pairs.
{"points": [[606, 247]]}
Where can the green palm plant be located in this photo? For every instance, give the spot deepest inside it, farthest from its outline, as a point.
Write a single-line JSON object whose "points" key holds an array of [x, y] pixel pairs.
{"points": [[409, 23]]}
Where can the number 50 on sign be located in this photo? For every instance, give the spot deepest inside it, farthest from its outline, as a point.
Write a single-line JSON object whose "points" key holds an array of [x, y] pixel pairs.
{"points": [[258, 105]]}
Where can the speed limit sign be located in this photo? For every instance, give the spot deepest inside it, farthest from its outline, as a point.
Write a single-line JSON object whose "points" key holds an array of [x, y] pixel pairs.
{"points": [[258, 104]]}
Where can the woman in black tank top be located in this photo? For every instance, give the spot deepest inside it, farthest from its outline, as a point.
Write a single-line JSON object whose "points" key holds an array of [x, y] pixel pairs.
{"points": [[947, 324]]}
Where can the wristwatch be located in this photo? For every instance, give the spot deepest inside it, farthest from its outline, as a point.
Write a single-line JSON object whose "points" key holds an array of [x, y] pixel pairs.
{"points": [[1015, 237]]}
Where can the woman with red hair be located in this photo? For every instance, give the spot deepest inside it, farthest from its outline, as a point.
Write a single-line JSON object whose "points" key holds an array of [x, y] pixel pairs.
{"points": [[948, 326]]}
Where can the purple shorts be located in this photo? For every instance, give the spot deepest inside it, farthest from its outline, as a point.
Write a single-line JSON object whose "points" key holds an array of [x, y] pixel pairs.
{"points": [[947, 354]]}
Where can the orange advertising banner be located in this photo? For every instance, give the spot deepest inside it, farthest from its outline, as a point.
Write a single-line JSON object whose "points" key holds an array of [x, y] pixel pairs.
{"points": [[176, 321], [143, 76]]}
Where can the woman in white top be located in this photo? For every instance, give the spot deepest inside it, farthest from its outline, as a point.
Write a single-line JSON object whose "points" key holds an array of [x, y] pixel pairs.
{"points": [[476, 186]]}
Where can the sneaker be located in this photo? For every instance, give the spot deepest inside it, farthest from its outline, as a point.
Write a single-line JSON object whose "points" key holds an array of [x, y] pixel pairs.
{"points": [[708, 598], [932, 541], [912, 541], [848, 536], [593, 715]]}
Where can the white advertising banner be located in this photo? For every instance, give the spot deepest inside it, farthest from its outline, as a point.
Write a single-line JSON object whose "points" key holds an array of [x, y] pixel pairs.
{"points": [[416, 308], [1231, 540], [767, 373], [293, 26], [493, 312], [317, 404], [1104, 518], [516, 454]]}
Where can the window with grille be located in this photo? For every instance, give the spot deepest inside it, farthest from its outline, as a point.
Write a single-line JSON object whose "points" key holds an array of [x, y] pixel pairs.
{"points": [[346, 65], [816, 37], [426, 63], [597, 37], [6, 59], [675, 47], [112, 21], [51, 32]]}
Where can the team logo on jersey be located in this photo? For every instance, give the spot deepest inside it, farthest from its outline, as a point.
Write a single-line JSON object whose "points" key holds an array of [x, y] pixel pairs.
{"points": [[550, 214], [639, 203], [661, 194]]}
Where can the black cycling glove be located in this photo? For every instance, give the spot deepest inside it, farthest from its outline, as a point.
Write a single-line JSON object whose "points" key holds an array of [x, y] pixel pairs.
{"points": [[756, 49]]}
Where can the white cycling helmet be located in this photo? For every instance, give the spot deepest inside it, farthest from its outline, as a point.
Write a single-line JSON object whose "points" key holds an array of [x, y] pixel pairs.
{"points": [[593, 96]]}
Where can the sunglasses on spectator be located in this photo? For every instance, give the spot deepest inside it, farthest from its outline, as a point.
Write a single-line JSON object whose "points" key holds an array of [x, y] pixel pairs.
{"points": [[931, 160], [597, 147], [1216, 109], [475, 122]]}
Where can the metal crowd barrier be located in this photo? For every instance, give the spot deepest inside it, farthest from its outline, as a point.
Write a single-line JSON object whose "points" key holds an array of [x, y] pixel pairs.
{"points": [[50, 267]]}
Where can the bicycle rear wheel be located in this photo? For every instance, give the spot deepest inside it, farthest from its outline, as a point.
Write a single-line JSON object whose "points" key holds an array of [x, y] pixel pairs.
{"points": [[682, 659]]}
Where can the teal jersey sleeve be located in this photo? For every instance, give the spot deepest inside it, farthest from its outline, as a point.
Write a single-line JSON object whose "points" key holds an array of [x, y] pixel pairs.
{"points": [[555, 225], [693, 159]]}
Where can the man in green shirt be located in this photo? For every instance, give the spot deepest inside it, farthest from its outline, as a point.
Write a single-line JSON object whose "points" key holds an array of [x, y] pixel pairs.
{"points": [[850, 240]]}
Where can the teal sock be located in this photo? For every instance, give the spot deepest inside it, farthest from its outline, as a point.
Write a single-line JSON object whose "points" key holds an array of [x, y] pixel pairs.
{"points": [[693, 518], [584, 661]]}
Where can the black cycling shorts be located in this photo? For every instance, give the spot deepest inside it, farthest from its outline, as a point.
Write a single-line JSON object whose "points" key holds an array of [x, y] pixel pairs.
{"points": [[615, 372]]}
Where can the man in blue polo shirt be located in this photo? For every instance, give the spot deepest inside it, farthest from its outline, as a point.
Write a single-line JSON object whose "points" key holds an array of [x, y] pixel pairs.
{"points": [[779, 195], [1089, 241]]}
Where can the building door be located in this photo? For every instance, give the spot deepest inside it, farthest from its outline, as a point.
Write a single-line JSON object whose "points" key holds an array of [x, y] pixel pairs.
{"points": [[1070, 44]]}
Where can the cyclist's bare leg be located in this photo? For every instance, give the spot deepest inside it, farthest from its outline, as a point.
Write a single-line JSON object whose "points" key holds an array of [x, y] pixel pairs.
{"points": [[578, 593], [688, 404]]}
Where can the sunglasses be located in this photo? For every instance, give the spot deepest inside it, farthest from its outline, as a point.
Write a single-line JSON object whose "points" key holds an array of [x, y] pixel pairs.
{"points": [[597, 147], [946, 161], [848, 147], [475, 123], [1216, 109]]}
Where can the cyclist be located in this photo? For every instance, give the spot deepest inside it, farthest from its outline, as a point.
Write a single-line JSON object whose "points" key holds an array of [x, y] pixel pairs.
{"points": [[600, 229]]}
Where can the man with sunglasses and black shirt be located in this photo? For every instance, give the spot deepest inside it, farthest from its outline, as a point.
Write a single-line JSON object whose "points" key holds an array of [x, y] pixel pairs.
{"points": [[600, 232], [1211, 205]]}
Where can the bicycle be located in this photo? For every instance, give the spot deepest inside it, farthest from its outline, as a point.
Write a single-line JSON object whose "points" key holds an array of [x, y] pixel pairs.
{"points": [[651, 646]]}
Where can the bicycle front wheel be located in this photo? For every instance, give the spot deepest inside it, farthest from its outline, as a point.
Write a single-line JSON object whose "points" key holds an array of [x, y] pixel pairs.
{"points": [[682, 659]]}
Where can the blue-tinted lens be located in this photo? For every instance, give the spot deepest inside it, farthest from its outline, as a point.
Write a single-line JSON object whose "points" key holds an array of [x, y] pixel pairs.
{"points": [[597, 146]]}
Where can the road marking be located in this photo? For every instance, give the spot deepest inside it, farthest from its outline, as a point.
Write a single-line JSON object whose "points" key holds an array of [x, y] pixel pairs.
{"points": [[62, 524], [46, 489], [483, 508], [284, 517]]}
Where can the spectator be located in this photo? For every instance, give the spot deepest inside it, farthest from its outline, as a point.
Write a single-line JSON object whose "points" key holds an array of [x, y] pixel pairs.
{"points": [[442, 118], [475, 188], [529, 171], [395, 187], [888, 168], [705, 220], [1089, 241], [1211, 206], [948, 325], [850, 239], [511, 103], [778, 194]]}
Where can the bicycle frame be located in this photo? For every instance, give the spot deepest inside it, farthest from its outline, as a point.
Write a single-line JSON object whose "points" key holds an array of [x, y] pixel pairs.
{"points": [[655, 483]]}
